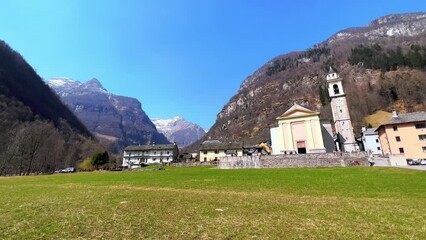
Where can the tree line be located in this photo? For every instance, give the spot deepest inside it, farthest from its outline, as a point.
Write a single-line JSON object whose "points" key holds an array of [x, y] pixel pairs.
{"points": [[376, 57], [31, 145]]}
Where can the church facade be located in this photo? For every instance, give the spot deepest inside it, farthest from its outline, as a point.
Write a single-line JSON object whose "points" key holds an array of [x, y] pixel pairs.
{"points": [[300, 130]]}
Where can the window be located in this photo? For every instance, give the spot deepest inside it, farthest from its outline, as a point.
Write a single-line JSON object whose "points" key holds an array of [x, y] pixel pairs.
{"points": [[398, 139], [204, 152], [377, 140], [424, 149], [395, 128], [336, 89], [205, 159], [422, 137], [168, 152], [401, 150], [216, 151], [378, 148], [420, 125]]}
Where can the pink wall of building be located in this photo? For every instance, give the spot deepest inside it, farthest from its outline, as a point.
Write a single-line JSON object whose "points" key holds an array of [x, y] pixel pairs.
{"points": [[403, 138]]}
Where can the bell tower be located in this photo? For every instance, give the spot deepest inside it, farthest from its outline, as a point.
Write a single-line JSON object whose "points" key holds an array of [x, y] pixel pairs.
{"points": [[341, 118]]}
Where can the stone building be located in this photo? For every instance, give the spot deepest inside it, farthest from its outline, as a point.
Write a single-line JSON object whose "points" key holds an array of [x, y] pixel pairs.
{"points": [[341, 118]]}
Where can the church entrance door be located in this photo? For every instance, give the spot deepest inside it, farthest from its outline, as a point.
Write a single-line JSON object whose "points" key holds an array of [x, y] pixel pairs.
{"points": [[301, 147]]}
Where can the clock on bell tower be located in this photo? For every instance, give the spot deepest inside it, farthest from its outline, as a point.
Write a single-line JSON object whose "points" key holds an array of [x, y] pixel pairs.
{"points": [[341, 118]]}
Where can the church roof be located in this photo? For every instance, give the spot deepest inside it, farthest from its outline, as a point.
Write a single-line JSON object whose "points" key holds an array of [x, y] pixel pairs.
{"points": [[297, 111], [331, 70]]}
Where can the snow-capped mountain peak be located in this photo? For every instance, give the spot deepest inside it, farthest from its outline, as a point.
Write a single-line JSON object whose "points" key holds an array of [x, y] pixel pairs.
{"points": [[62, 82], [178, 130], [62, 85]]}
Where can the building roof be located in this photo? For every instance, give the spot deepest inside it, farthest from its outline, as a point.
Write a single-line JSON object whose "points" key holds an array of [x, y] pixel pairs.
{"points": [[150, 147], [217, 145], [406, 118], [370, 131], [297, 111]]}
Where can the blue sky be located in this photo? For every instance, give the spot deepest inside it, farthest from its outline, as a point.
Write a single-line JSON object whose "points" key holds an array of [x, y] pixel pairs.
{"points": [[178, 57]]}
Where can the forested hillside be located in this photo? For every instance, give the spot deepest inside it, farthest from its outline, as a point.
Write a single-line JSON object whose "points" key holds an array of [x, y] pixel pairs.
{"points": [[38, 133]]}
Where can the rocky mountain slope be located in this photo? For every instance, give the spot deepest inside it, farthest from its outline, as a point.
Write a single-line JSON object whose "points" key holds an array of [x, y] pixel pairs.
{"points": [[178, 130], [116, 120], [299, 76]]}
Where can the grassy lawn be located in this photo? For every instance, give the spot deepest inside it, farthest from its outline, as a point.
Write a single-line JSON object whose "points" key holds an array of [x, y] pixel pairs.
{"points": [[207, 203]]}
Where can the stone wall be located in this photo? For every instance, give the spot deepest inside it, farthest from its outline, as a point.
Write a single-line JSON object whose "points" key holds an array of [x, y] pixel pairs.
{"points": [[192, 164], [294, 161], [239, 162]]}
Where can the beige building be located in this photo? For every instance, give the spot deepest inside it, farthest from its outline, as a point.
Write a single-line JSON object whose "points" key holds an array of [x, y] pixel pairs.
{"points": [[300, 130], [212, 150], [404, 134]]}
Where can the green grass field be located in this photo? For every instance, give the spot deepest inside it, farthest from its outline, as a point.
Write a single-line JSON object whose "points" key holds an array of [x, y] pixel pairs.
{"points": [[207, 203]]}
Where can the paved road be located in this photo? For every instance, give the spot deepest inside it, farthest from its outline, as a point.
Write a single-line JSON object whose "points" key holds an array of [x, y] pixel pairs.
{"points": [[415, 167]]}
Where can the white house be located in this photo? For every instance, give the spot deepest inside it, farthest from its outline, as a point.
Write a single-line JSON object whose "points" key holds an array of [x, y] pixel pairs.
{"points": [[370, 140], [137, 156]]}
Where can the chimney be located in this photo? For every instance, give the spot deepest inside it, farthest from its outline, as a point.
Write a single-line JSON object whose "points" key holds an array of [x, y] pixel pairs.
{"points": [[363, 129], [394, 114]]}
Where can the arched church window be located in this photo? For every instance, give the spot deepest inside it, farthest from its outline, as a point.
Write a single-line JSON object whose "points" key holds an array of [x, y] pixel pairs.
{"points": [[336, 89]]}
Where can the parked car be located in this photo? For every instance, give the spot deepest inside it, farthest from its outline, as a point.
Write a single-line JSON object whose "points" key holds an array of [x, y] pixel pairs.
{"points": [[423, 162], [67, 170]]}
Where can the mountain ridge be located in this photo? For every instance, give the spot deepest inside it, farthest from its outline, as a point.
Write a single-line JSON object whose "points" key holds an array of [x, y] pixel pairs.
{"points": [[178, 130], [297, 77], [117, 120]]}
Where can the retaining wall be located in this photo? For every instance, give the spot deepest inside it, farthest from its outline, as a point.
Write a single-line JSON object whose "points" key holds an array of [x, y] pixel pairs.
{"points": [[192, 164], [294, 161]]}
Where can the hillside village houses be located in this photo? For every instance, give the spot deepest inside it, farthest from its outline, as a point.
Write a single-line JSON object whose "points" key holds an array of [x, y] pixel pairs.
{"points": [[140, 155], [301, 131]]}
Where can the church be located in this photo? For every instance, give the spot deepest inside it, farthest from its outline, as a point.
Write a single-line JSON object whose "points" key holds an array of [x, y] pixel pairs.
{"points": [[300, 130]]}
